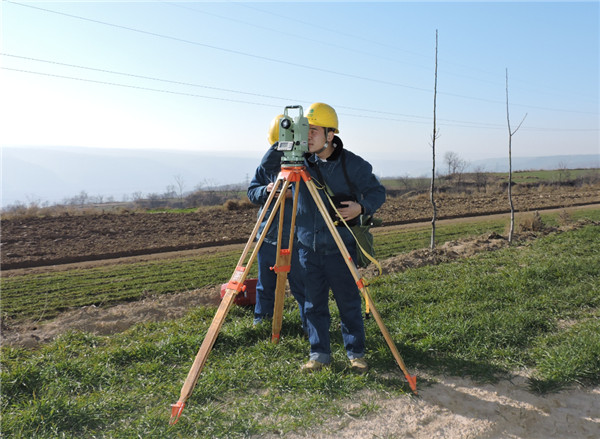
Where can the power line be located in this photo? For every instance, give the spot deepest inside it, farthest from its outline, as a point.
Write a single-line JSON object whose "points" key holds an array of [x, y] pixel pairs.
{"points": [[334, 30], [289, 63], [304, 38], [454, 123], [133, 75], [136, 87], [362, 110], [224, 49]]}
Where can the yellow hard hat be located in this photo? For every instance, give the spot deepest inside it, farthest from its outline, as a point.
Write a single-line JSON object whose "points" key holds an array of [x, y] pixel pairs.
{"points": [[322, 115], [274, 130]]}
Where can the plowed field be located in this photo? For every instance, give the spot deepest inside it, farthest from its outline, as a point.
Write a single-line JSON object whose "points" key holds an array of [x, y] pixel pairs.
{"points": [[50, 240]]}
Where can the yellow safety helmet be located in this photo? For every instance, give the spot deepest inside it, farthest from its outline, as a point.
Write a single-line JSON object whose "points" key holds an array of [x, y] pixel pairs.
{"points": [[322, 115], [274, 130]]}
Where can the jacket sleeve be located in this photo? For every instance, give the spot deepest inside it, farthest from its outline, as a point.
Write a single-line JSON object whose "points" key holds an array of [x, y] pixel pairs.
{"points": [[372, 192], [266, 173], [257, 191]]}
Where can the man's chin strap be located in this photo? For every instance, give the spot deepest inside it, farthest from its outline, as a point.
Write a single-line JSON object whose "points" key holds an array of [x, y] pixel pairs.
{"points": [[326, 143], [322, 149]]}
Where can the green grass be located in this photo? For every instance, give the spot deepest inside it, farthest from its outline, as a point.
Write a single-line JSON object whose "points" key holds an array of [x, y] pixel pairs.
{"points": [[548, 176], [392, 242], [44, 296], [518, 177], [535, 306]]}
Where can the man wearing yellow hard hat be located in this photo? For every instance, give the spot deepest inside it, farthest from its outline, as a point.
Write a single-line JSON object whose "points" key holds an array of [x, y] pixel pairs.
{"points": [[357, 191]]}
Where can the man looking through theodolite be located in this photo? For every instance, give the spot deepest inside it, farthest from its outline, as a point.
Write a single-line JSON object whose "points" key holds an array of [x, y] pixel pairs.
{"points": [[351, 181]]}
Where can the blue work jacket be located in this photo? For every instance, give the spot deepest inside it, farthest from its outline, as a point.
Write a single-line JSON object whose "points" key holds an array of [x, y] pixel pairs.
{"points": [[266, 173], [312, 232]]}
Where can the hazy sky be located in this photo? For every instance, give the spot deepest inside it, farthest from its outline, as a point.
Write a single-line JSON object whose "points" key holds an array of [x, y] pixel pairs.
{"points": [[210, 76]]}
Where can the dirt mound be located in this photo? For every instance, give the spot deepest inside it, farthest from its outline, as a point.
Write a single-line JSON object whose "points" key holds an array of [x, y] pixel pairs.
{"points": [[111, 320], [447, 252]]}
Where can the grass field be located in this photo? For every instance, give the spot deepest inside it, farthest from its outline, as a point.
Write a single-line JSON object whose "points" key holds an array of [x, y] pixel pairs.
{"points": [[534, 306], [44, 296], [544, 177]]}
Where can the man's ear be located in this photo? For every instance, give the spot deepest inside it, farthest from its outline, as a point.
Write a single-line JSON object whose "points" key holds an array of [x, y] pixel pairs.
{"points": [[330, 135]]}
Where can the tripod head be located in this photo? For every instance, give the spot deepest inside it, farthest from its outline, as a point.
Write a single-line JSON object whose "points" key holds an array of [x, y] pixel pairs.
{"points": [[293, 137]]}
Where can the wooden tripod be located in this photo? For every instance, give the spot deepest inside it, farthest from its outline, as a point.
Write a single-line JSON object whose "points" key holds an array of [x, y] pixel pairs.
{"points": [[288, 175]]}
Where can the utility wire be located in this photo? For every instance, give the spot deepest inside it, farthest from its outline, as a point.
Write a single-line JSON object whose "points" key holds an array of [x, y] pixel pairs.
{"points": [[289, 63], [223, 49], [303, 38], [389, 46], [452, 123], [362, 110], [136, 87]]}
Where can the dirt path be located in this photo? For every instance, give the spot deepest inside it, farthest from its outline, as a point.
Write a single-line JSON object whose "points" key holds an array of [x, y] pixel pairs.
{"points": [[458, 408]]}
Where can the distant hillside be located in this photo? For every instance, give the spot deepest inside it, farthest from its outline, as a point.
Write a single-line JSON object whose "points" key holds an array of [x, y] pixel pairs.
{"points": [[52, 174]]}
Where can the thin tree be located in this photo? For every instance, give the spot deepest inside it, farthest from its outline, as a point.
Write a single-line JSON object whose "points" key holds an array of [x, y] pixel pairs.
{"points": [[433, 138], [180, 184], [510, 135]]}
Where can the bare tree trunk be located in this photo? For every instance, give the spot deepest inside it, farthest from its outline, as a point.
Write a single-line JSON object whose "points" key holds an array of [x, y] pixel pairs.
{"points": [[510, 201], [510, 135], [433, 137]]}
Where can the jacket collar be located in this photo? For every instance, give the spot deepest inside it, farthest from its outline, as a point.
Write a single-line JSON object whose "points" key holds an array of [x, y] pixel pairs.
{"points": [[338, 147]]}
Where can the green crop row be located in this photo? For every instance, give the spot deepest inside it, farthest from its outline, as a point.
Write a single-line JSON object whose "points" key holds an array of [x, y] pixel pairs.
{"points": [[44, 296]]}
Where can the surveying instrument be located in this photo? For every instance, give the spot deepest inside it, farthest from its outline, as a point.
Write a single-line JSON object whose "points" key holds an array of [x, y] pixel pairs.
{"points": [[293, 143]]}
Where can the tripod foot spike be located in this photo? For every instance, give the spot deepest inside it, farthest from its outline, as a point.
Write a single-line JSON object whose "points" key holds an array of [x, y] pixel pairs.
{"points": [[412, 382], [176, 410]]}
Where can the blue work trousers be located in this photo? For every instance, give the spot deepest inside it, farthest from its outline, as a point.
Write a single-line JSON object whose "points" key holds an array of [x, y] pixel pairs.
{"points": [[267, 282], [322, 273]]}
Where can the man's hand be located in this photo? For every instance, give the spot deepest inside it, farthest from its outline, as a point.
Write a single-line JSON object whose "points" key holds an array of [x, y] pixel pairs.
{"points": [[351, 211], [271, 185]]}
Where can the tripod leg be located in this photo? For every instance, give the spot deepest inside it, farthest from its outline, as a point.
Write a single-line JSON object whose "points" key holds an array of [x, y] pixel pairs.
{"points": [[254, 232], [412, 379], [202, 355], [234, 286], [282, 268]]}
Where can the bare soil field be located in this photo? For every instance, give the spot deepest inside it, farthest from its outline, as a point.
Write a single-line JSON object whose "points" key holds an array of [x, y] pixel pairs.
{"points": [[50, 240]]}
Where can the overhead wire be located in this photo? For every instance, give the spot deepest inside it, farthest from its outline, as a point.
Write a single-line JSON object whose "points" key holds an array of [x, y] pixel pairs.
{"points": [[136, 87], [224, 49], [335, 30], [444, 122], [287, 33], [287, 99], [290, 63]]}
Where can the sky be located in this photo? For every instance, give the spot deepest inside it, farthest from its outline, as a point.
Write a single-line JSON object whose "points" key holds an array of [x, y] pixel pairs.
{"points": [[210, 76]]}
